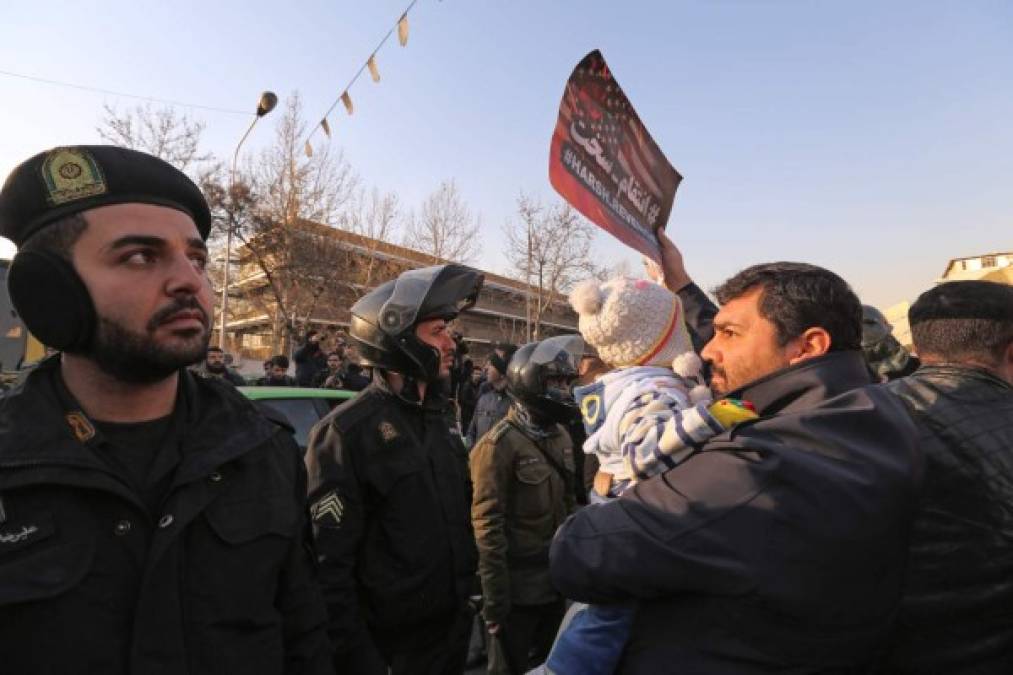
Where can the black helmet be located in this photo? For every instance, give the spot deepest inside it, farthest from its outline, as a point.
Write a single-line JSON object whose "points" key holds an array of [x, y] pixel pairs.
{"points": [[532, 366], [383, 320], [875, 326]]}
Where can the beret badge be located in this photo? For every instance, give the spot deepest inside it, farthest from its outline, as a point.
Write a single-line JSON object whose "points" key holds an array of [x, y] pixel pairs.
{"points": [[70, 174]]}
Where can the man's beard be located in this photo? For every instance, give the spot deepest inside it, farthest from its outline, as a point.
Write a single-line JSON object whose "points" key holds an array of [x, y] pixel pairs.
{"points": [[215, 367], [135, 357]]}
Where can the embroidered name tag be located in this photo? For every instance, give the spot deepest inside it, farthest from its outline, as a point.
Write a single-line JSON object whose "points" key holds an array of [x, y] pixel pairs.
{"points": [[18, 536]]}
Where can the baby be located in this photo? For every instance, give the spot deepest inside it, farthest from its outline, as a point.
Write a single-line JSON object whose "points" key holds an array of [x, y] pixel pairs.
{"points": [[646, 415]]}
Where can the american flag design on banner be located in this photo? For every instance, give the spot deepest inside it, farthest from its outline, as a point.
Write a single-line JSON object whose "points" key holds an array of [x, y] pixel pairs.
{"points": [[604, 162]]}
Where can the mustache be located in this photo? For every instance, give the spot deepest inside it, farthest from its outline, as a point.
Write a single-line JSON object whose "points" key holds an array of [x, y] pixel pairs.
{"points": [[176, 306]]}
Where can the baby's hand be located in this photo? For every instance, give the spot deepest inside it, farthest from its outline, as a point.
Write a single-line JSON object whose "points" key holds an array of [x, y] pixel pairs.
{"points": [[729, 411]]}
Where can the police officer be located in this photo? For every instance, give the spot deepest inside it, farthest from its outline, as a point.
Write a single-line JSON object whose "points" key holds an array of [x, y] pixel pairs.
{"points": [[522, 471], [389, 487], [151, 521], [886, 357], [493, 401]]}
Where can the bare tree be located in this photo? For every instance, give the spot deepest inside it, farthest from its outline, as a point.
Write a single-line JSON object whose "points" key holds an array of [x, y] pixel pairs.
{"points": [[444, 227], [280, 209], [549, 247], [623, 268], [370, 217], [161, 132]]}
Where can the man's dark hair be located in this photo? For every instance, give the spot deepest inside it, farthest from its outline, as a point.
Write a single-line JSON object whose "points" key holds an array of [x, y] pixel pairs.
{"points": [[961, 320], [58, 237], [311, 332], [213, 348], [337, 354], [798, 296], [280, 360]]}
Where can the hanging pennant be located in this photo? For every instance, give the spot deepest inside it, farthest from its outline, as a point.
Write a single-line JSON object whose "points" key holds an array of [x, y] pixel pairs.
{"points": [[373, 70], [402, 30], [326, 127], [309, 149], [347, 100]]}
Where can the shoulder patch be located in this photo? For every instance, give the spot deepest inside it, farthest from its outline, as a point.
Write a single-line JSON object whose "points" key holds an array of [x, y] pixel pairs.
{"points": [[387, 431]]}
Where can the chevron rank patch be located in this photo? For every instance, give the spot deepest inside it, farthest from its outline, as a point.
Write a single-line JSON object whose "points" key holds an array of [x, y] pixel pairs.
{"points": [[327, 511]]}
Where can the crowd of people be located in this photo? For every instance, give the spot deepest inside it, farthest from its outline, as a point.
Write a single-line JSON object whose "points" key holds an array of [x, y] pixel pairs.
{"points": [[321, 362], [769, 484]]}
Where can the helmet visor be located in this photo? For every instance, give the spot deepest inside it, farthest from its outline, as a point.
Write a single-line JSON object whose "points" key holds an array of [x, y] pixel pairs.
{"points": [[442, 292], [563, 351]]}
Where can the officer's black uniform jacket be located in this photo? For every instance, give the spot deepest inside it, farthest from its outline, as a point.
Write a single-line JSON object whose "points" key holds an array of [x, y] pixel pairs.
{"points": [[218, 580], [390, 497]]}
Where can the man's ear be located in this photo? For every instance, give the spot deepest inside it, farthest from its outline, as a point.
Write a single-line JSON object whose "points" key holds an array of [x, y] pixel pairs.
{"points": [[810, 344]]}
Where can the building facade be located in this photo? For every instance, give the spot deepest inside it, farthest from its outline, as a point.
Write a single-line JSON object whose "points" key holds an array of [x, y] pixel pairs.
{"points": [[273, 300]]}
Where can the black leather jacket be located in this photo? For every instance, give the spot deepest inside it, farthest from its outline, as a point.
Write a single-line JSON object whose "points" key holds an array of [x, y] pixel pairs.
{"points": [[957, 612]]}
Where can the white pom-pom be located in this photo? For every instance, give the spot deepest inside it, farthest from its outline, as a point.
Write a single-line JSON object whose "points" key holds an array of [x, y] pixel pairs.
{"points": [[687, 365], [587, 298], [701, 393]]}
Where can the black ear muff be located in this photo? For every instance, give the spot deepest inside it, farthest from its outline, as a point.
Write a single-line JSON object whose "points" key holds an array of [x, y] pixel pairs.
{"points": [[52, 300]]}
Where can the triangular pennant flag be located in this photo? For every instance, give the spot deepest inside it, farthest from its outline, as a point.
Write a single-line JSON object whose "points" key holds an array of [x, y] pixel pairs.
{"points": [[309, 149], [347, 100], [326, 127], [373, 70], [402, 30]]}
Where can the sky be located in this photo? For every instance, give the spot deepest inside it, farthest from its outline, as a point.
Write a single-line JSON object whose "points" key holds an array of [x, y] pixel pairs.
{"points": [[872, 138]]}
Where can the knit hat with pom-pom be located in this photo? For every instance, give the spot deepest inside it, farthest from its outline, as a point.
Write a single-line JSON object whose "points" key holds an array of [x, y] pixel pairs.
{"points": [[632, 322]]}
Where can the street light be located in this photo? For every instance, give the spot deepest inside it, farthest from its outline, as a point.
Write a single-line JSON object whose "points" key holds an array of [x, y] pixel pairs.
{"points": [[266, 104]]}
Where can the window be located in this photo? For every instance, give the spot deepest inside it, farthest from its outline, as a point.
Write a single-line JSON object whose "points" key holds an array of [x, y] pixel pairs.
{"points": [[988, 261]]}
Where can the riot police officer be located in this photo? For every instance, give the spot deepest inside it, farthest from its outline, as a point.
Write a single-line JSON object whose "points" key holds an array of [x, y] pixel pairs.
{"points": [[522, 471], [389, 488], [886, 357]]}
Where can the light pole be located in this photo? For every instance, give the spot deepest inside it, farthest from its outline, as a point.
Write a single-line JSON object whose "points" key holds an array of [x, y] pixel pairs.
{"points": [[527, 290], [266, 104]]}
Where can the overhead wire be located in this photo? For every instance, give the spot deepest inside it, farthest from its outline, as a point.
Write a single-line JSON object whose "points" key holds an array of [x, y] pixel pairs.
{"points": [[110, 92]]}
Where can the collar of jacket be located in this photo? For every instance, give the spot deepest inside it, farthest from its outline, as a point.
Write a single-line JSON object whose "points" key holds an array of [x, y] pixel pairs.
{"points": [[805, 384], [525, 423], [959, 371], [435, 399], [42, 424]]}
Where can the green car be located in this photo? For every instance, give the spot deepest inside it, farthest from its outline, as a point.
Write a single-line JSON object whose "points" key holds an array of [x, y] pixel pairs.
{"points": [[302, 407]]}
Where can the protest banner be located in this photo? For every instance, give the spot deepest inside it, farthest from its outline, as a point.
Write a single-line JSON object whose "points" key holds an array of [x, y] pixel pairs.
{"points": [[603, 161]]}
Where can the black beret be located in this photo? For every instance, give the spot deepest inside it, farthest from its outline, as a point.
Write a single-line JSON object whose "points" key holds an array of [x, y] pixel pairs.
{"points": [[964, 300], [67, 180]]}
